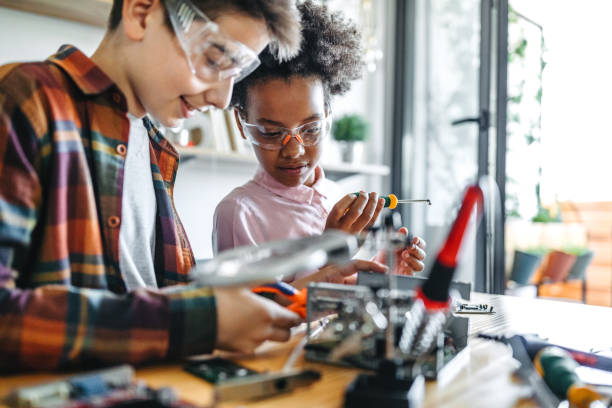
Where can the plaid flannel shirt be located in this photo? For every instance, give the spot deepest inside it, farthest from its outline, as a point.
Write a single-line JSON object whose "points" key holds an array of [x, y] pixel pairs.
{"points": [[64, 135]]}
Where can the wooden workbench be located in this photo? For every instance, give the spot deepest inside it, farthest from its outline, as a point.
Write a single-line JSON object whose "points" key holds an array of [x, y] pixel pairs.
{"points": [[482, 379]]}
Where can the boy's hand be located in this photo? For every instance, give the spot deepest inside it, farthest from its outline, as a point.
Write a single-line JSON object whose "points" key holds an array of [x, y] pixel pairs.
{"points": [[340, 273], [245, 320], [354, 213], [410, 259]]}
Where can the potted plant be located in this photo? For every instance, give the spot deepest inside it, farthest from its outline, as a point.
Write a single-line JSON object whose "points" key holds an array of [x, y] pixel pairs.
{"points": [[349, 131], [584, 256], [525, 263], [557, 266]]}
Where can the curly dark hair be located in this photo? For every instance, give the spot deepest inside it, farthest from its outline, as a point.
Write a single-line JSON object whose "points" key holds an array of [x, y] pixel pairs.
{"points": [[330, 50]]}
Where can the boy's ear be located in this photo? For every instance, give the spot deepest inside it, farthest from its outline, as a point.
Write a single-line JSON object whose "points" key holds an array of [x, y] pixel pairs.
{"points": [[134, 16], [239, 123]]}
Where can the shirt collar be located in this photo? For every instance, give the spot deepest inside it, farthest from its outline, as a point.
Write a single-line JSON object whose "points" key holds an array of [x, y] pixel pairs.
{"points": [[300, 194], [83, 71]]}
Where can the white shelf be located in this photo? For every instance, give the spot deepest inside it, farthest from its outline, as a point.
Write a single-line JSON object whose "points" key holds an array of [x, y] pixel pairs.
{"points": [[232, 157]]}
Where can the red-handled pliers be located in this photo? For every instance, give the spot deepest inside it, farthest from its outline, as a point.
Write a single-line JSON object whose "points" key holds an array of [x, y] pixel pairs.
{"points": [[297, 297]]}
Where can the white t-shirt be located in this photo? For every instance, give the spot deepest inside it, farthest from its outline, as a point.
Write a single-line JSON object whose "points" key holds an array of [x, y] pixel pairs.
{"points": [[139, 208]]}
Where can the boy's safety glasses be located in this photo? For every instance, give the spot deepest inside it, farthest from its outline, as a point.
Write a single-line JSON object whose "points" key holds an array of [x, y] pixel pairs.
{"points": [[212, 56], [276, 137]]}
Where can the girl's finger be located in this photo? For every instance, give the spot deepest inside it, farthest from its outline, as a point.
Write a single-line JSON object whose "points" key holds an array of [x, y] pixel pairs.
{"points": [[354, 211], [414, 252], [419, 242], [415, 265], [366, 215], [380, 204], [340, 208]]}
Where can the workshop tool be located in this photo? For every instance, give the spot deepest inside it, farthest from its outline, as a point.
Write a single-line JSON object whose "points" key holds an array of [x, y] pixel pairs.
{"points": [[432, 305], [397, 377], [533, 344], [552, 373], [391, 201], [299, 348], [527, 372], [297, 297], [273, 261], [558, 369]]}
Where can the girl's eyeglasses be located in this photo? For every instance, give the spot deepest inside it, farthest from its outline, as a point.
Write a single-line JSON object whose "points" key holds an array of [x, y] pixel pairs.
{"points": [[212, 56], [276, 137]]}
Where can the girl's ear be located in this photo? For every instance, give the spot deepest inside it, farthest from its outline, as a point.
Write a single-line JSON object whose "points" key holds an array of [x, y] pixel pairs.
{"points": [[239, 123]]}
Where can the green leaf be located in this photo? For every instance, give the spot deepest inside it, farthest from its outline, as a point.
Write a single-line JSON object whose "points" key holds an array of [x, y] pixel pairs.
{"points": [[515, 99], [520, 48], [350, 128]]}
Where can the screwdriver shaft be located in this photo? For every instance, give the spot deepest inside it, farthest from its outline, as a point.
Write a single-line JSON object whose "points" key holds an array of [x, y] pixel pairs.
{"points": [[428, 201]]}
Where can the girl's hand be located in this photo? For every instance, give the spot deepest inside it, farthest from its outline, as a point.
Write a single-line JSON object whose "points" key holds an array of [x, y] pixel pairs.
{"points": [[410, 259], [352, 214], [340, 273]]}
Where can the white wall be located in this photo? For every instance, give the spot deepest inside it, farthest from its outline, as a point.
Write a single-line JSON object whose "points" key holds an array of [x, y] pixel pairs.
{"points": [[201, 183], [28, 37]]}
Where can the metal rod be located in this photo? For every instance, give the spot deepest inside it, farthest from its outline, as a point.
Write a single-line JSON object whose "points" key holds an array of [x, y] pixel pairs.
{"points": [[299, 348], [427, 200]]}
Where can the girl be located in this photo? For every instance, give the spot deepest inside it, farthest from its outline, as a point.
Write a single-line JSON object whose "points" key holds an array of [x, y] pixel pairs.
{"points": [[283, 109]]}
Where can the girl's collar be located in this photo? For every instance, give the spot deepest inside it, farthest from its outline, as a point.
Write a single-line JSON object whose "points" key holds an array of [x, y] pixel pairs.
{"points": [[300, 194]]}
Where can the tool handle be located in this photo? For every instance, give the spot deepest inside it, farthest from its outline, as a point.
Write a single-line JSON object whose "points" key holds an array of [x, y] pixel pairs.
{"points": [[390, 200], [297, 297], [558, 368], [533, 345]]}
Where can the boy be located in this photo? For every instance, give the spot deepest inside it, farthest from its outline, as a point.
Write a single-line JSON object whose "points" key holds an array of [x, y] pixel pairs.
{"points": [[88, 229], [283, 109]]}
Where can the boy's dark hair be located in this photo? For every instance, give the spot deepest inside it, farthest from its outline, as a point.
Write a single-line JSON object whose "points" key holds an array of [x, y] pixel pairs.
{"points": [[330, 51], [281, 18]]}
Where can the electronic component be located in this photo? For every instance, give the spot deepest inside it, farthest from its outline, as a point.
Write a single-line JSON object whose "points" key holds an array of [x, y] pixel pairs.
{"points": [[99, 389], [397, 330], [264, 385], [235, 382], [355, 336], [216, 370]]}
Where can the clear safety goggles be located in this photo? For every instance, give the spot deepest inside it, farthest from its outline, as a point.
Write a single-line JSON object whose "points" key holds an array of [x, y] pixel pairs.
{"points": [[212, 56], [271, 137]]}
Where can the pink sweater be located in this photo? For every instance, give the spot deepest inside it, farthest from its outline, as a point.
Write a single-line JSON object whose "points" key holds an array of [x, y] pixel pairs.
{"points": [[265, 210]]}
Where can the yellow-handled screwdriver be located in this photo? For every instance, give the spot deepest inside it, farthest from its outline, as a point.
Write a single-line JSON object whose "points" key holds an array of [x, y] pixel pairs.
{"points": [[391, 201], [558, 369]]}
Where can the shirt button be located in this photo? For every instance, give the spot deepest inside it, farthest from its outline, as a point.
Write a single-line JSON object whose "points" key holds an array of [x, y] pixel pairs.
{"points": [[113, 221], [117, 98], [121, 150]]}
